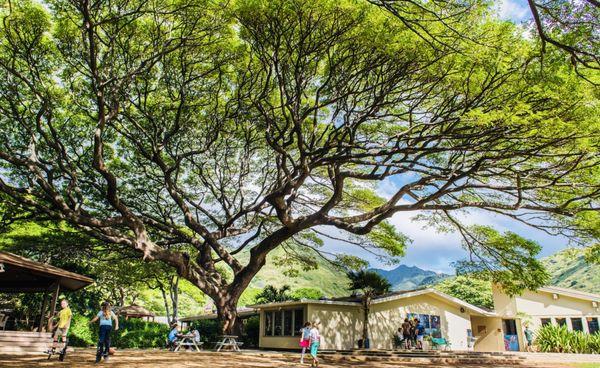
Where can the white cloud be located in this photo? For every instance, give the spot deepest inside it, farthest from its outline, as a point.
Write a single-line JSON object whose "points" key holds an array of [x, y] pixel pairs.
{"points": [[514, 10]]}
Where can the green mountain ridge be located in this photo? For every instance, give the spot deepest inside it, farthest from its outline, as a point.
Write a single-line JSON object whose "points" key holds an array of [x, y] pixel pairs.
{"points": [[569, 269]]}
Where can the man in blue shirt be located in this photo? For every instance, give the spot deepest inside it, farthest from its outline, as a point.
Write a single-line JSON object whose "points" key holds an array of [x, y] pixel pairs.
{"points": [[173, 334]]}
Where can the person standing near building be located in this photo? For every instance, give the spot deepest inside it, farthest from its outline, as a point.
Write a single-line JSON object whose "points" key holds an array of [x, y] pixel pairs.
{"points": [[304, 340], [406, 333], [315, 342], [399, 338], [413, 331], [106, 317], [529, 337], [420, 330]]}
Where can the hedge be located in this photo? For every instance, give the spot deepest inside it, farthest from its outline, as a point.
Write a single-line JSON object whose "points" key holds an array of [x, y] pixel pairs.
{"points": [[132, 333]]}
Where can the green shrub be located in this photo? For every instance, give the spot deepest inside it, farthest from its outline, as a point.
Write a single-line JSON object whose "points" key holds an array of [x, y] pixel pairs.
{"points": [[558, 339], [135, 333], [251, 332], [80, 332], [209, 330]]}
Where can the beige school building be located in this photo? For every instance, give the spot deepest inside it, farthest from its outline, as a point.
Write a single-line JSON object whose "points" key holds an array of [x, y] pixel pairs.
{"points": [[465, 326]]}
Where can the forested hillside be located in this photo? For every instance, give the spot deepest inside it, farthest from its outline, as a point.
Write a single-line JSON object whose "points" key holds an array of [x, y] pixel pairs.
{"points": [[568, 268]]}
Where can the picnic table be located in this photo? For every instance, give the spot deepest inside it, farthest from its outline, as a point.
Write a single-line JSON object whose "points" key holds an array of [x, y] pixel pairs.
{"points": [[187, 340], [228, 341]]}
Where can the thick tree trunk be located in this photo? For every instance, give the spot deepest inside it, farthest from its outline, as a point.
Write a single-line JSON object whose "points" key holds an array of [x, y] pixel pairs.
{"points": [[227, 313]]}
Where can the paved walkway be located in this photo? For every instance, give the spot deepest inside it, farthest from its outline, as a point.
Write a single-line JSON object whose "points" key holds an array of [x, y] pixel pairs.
{"points": [[161, 358]]}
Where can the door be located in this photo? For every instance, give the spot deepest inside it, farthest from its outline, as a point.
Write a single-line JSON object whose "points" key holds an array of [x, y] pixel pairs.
{"points": [[511, 335]]}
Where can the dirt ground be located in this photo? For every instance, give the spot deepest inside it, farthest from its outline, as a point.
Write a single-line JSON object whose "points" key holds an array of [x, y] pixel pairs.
{"points": [[158, 358]]}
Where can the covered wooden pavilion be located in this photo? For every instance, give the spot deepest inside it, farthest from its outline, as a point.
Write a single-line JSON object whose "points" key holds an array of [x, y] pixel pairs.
{"points": [[22, 275], [135, 311]]}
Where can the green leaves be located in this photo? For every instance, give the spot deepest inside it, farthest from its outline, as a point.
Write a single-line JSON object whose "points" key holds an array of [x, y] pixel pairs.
{"points": [[507, 259], [386, 237], [558, 339], [468, 288]]}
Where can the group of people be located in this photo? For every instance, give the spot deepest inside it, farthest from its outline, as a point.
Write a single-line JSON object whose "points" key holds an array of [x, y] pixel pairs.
{"points": [[411, 334], [174, 335], [106, 317], [310, 338]]}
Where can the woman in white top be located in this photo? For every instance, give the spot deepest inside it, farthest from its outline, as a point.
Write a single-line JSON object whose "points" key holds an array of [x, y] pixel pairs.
{"points": [[315, 341]]}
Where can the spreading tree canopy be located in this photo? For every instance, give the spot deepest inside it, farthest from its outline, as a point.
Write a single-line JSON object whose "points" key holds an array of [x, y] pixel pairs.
{"points": [[191, 131]]}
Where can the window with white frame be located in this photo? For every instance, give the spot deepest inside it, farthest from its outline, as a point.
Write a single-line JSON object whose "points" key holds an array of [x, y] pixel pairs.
{"points": [[284, 322]]}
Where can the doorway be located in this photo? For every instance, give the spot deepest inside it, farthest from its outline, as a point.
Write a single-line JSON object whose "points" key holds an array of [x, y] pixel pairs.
{"points": [[511, 335]]}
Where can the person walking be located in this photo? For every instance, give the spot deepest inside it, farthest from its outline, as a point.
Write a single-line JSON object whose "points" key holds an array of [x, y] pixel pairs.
{"points": [[106, 317], [304, 340], [315, 341], [529, 337], [406, 333]]}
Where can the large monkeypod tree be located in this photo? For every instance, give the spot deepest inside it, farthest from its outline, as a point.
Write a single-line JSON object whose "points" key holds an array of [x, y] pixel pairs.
{"points": [[196, 132]]}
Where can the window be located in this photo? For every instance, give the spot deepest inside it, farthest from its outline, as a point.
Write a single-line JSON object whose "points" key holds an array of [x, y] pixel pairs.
{"points": [[268, 323], [430, 322], [298, 321], [576, 324], [546, 321], [561, 321], [592, 323], [278, 320], [286, 322]]}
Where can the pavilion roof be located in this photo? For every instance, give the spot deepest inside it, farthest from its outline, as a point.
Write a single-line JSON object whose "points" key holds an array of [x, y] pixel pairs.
{"points": [[135, 310], [20, 274]]}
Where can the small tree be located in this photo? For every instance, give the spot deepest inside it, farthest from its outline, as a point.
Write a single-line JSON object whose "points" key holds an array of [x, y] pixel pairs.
{"points": [[371, 284], [271, 294]]}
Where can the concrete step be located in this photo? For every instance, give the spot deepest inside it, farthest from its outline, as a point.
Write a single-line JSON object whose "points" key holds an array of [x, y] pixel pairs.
{"points": [[27, 343], [25, 333], [23, 349], [23, 338]]}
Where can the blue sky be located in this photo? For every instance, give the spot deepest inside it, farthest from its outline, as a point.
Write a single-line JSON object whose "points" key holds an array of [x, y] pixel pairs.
{"points": [[433, 251], [516, 10], [436, 251]]}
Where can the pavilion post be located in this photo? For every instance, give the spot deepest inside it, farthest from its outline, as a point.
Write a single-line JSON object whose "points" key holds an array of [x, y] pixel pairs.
{"points": [[43, 312], [56, 290]]}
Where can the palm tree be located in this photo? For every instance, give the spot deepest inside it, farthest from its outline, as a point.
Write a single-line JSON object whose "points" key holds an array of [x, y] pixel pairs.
{"points": [[371, 284], [271, 294]]}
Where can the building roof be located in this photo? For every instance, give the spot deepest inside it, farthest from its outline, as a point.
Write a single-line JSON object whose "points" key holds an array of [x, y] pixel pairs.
{"points": [[20, 274], [570, 293], [135, 310], [355, 300]]}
